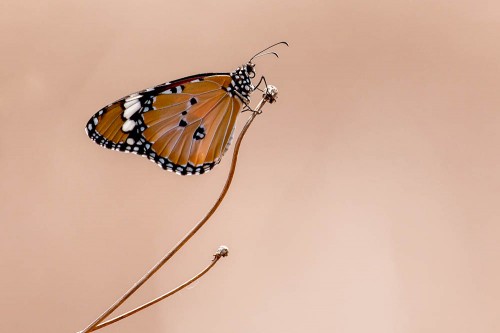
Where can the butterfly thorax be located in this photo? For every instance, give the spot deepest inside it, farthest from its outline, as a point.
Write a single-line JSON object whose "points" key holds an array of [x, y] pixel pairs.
{"points": [[241, 84]]}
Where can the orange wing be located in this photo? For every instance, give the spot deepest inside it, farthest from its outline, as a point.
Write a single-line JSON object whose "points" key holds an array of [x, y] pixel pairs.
{"points": [[184, 126]]}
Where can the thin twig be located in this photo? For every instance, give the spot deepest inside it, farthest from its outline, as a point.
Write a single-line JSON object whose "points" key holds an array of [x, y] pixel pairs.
{"points": [[222, 252], [191, 233]]}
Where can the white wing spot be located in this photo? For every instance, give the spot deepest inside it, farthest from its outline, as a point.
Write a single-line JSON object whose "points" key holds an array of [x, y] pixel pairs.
{"points": [[128, 125], [127, 104], [131, 109], [133, 97]]}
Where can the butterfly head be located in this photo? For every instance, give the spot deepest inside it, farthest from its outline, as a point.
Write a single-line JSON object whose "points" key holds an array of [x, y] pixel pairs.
{"points": [[241, 78], [250, 68]]}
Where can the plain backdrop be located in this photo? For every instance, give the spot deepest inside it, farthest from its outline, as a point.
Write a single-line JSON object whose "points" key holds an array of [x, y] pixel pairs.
{"points": [[365, 200]]}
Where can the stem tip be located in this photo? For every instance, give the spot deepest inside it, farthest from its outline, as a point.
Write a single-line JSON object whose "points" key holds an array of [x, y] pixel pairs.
{"points": [[222, 251]]}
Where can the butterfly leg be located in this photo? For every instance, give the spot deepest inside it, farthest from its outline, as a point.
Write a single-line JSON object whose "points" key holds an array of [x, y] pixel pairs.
{"points": [[248, 108], [262, 79], [269, 95]]}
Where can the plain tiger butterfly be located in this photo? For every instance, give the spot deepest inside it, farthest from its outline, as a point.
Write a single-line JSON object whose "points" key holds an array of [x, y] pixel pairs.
{"points": [[185, 126]]}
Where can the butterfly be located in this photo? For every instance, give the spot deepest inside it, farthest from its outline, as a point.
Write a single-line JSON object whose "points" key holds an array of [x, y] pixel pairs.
{"points": [[185, 125]]}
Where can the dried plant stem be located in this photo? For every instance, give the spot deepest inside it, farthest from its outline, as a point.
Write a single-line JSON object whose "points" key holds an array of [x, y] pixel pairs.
{"points": [[191, 233], [162, 297], [156, 300]]}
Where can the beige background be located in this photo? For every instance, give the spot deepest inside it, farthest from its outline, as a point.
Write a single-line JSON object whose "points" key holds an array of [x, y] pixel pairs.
{"points": [[366, 199]]}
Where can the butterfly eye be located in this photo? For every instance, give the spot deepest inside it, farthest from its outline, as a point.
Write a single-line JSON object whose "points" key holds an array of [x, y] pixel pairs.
{"points": [[250, 69]]}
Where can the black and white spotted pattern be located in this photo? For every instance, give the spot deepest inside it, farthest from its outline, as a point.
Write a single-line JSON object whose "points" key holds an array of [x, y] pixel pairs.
{"points": [[241, 84]]}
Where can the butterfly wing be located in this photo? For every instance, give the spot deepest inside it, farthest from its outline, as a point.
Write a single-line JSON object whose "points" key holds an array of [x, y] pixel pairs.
{"points": [[185, 126]]}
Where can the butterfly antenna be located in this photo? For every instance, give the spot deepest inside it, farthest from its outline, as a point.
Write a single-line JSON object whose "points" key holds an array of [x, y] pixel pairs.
{"points": [[263, 54], [267, 48]]}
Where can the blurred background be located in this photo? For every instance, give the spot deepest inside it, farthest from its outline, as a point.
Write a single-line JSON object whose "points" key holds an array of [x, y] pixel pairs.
{"points": [[365, 199]]}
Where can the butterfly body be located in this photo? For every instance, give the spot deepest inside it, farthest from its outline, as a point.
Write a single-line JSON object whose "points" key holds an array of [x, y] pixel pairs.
{"points": [[185, 126]]}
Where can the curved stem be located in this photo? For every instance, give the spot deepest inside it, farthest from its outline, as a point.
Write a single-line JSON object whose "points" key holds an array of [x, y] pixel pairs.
{"points": [[162, 297], [188, 236]]}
